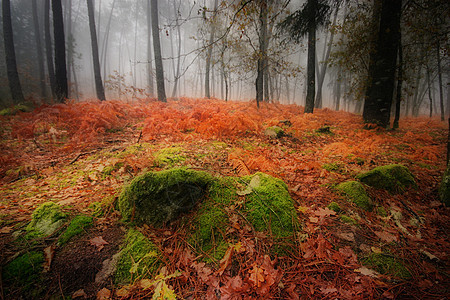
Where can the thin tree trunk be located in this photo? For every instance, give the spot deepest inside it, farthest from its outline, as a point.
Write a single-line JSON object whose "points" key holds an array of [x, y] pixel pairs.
{"points": [[10, 53], [49, 48], [311, 80], [98, 77], [177, 70], [61, 88], [106, 39], [68, 16], [40, 55], [441, 93], [262, 52], [157, 49], [398, 97], [209, 53], [151, 88], [429, 91]]}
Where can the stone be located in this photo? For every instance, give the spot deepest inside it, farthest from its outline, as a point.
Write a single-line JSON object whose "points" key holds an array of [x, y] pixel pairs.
{"points": [[393, 178]]}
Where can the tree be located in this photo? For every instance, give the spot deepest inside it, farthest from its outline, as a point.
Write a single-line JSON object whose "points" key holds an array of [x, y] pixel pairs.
{"points": [[262, 55], [40, 55], [61, 88], [10, 54], [209, 53], [379, 94], [304, 22], [157, 49], [48, 47], [98, 77], [151, 88]]}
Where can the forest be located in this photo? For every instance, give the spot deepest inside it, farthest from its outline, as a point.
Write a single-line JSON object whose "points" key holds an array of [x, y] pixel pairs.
{"points": [[212, 149]]}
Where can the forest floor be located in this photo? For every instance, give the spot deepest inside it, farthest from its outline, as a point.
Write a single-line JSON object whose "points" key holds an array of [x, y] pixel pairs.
{"points": [[77, 154]]}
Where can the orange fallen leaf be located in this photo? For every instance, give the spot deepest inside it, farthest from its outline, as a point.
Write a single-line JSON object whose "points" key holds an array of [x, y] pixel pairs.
{"points": [[99, 242], [6, 229], [104, 294], [49, 252], [256, 276], [79, 293], [226, 260]]}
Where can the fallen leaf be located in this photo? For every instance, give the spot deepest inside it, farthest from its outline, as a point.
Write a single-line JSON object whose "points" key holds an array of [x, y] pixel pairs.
{"points": [[313, 219], [385, 236], [104, 294], [226, 260], [145, 284], [98, 242], [376, 249], [367, 272], [256, 275], [328, 290], [324, 212], [79, 293], [49, 252], [123, 291]]}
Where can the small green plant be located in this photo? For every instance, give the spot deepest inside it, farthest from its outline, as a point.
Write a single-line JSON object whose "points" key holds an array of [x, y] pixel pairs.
{"points": [[334, 207], [348, 220], [76, 226]]}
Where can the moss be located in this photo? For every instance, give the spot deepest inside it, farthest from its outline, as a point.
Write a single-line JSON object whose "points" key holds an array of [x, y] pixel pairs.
{"points": [[96, 209], [381, 211], [348, 220], [444, 189], [274, 132], [333, 167], [45, 220], [334, 207], [356, 193], [76, 226], [24, 270], [387, 264], [393, 178], [156, 198], [139, 258], [22, 107], [169, 156]]}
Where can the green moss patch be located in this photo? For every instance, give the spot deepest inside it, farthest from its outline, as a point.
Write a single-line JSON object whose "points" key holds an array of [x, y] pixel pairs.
{"points": [[76, 226], [348, 220], [387, 264], [393, 178], [356, 193], [157, 198], [170, 156], [274, 132], [444, 189], [24, 270], [46, 219], [334, 207], [139, 258]]}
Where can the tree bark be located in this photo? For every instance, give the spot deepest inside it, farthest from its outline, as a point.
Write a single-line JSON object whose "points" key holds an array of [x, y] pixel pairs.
{"points": [[151, 88], [399, 84], [262, 52], [380, 90], [40, 55], [441, 93], [10, 54], [61, 88], [49, 48], [97, 75], [311, 64], [209, 54], [157, 49]]}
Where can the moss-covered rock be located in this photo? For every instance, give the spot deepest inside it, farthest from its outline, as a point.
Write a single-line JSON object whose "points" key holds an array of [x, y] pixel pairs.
{"points": [[24, 270], [157, 198], [138, 258], [169, 156], [45, 220], [334, 207], [444, 189], [393, 178], [356, 193], [387, 264], [274, 132], [348, 220], [76, 226]]}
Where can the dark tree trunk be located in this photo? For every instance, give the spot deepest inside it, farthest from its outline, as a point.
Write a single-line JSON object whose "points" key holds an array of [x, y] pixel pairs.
{"points": [[379, 94], [311, 64], [441, 93], [98, 77], [10, 54], [429, 91], [40, 55], [209, 54], [48, 47], [151, 88], [262, 52], [61, 88], [157, 49], [399, 83]]}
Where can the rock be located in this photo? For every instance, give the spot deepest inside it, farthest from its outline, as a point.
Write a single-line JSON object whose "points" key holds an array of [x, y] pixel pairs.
{"points": [[393, 178], [45, 220], [158, 198], [356, 193], [444, 189], [274, 132]]}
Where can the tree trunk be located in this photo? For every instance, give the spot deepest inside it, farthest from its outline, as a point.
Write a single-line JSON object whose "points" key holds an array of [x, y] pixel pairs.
{"points": [[40, 55], [311, 67], [61, 88], [262, 52], [380, 90], [98, 77], [10, 54], [177, 71], [151, 88], [157, 49], [429, 91], [48, 47], [398, 98], [209, 53], [441, 93]]}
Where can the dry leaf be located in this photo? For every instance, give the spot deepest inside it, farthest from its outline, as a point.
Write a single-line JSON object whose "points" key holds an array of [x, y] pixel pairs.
{"points": [[104, 294], [385, 236], [226, 260], [313, 219], [367, 272], [123, 291], [256, 276], [6, 229], [49, 252], [99, 242], [79, 293], [145, 284]]}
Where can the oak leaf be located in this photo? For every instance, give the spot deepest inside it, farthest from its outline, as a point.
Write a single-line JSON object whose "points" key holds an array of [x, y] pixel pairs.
{"points": [[98, 242]]}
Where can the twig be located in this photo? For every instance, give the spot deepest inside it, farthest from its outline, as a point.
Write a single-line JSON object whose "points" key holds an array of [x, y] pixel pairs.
{"points": [[139, 138], [80, 155]]}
